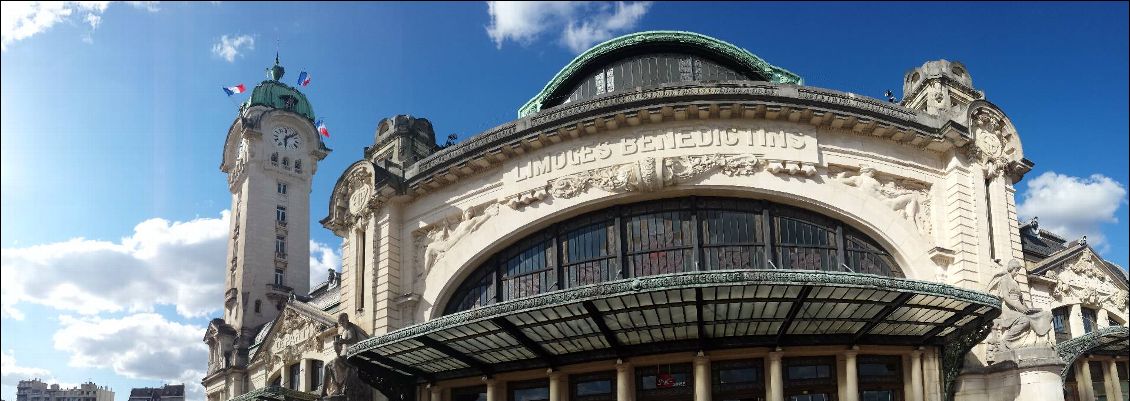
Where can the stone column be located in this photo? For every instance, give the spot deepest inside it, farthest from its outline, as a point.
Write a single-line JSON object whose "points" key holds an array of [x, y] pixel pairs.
{"points": [[1075, 321], [557, 386], [851, 376], [916, 393], [625, 380], [494, 390], [776, 387], [702, 388], [1115, 392], [1083, 379], [435, 393]]}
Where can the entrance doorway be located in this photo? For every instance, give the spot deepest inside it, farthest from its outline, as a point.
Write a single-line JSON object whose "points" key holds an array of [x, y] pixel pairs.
{"points": [[810, 379]]}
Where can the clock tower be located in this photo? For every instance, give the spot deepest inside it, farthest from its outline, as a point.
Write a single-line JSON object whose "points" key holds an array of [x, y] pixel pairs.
{"points": [[270, 157]]}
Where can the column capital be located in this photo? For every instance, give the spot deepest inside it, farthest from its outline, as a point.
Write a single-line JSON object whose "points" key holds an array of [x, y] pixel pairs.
{"points": [[775, 355]]}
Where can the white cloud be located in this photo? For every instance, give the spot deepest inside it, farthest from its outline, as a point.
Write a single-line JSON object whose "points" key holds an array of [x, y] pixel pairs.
{"points": [[139, 346], [22, 19], [1073, 206], [322, 259], [12, 373], [581, 24], [162, 263], [228, 48]]}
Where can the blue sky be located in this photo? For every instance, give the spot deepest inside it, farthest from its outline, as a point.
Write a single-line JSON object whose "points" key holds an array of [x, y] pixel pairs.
{"points": [[113, 122]]}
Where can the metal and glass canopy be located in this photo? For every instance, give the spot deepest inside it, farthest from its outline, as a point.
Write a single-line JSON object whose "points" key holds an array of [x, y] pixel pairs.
{"points": [[679, 312], [1111, 340]]}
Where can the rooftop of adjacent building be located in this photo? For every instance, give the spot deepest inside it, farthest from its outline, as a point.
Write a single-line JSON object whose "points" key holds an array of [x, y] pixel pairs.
{"points": [[1044, 249], [38, 385], [168, 390]]}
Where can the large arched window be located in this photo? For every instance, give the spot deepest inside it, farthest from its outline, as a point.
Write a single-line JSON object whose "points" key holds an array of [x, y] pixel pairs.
{"points": [[670, 236]]}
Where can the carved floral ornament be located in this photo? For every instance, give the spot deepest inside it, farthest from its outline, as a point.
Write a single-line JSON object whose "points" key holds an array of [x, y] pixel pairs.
{"points": [[653, 173], [1084, 282]]}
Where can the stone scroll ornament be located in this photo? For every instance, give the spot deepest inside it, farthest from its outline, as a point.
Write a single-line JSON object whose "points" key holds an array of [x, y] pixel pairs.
{"points": [[1019, 325], [341, 380], [436, 240], [909, 199]]}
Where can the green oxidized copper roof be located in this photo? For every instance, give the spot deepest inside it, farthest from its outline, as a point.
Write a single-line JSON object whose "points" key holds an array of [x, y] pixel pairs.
{"points": [[273, 93], [739, 55]]}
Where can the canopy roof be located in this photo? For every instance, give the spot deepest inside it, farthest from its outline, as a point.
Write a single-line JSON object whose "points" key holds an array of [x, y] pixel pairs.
{"points": [[678, 312], [1111, 340]]}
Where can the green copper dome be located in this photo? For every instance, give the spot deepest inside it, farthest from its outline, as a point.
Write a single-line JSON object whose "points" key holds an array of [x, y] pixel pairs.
{"points": [[275, 94], [744, 61]]}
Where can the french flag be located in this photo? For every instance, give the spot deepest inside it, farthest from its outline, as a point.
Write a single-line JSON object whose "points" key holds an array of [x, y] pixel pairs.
{"points": [[303, 79], [231, 90], [322, 128]]}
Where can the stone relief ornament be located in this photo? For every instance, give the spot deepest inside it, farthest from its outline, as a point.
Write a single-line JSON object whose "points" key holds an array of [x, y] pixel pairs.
{"points": [[523, 199], [437, 239], [686, 168], [1019, 324], [994, 146], [1083, 281], [908, 198]]}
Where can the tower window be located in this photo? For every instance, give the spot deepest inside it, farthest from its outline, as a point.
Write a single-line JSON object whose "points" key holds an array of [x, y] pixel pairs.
{"points": [[280, 245], [286, 163], [275, 158], [258, 305], [282, 188], [298, 166], [280, 214], [278, 277]]}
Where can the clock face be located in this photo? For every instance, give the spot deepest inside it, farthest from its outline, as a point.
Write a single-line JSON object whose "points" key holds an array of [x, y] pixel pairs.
{"points": [[286, 138]]}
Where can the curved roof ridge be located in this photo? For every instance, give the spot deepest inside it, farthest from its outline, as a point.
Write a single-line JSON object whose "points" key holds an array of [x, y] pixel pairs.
{"points": [[724, 48]]}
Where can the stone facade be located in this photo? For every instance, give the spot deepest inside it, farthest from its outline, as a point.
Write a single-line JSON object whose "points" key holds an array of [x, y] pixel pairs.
{"points": [[931, 181]]}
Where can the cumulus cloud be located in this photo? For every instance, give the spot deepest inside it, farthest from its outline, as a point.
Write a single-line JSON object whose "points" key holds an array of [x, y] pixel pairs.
{"points": [[163, 262], [580, 24], [22, 19], [13, 373], [1073, 206], [322, 259], [228, 48], [138, 346]]}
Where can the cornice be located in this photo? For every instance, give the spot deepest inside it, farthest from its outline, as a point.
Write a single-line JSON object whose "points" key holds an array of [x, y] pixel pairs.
{"points": [[813, 106]]}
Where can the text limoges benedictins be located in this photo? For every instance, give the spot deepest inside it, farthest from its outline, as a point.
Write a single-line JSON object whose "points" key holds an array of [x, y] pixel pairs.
{"points": [[767, 144]]}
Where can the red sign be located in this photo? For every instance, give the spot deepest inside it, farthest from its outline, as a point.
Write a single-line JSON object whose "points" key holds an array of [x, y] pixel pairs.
{"points": [[664, 380]]}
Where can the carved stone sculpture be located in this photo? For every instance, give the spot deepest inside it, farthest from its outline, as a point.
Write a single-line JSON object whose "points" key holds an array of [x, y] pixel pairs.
{"points": [[1019, 324], [909, 202], [347, 332], [446, 235], [340, 377]]}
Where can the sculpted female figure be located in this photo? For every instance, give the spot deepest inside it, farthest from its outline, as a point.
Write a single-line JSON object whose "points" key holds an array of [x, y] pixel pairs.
{"points": [[1017, 318]]}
